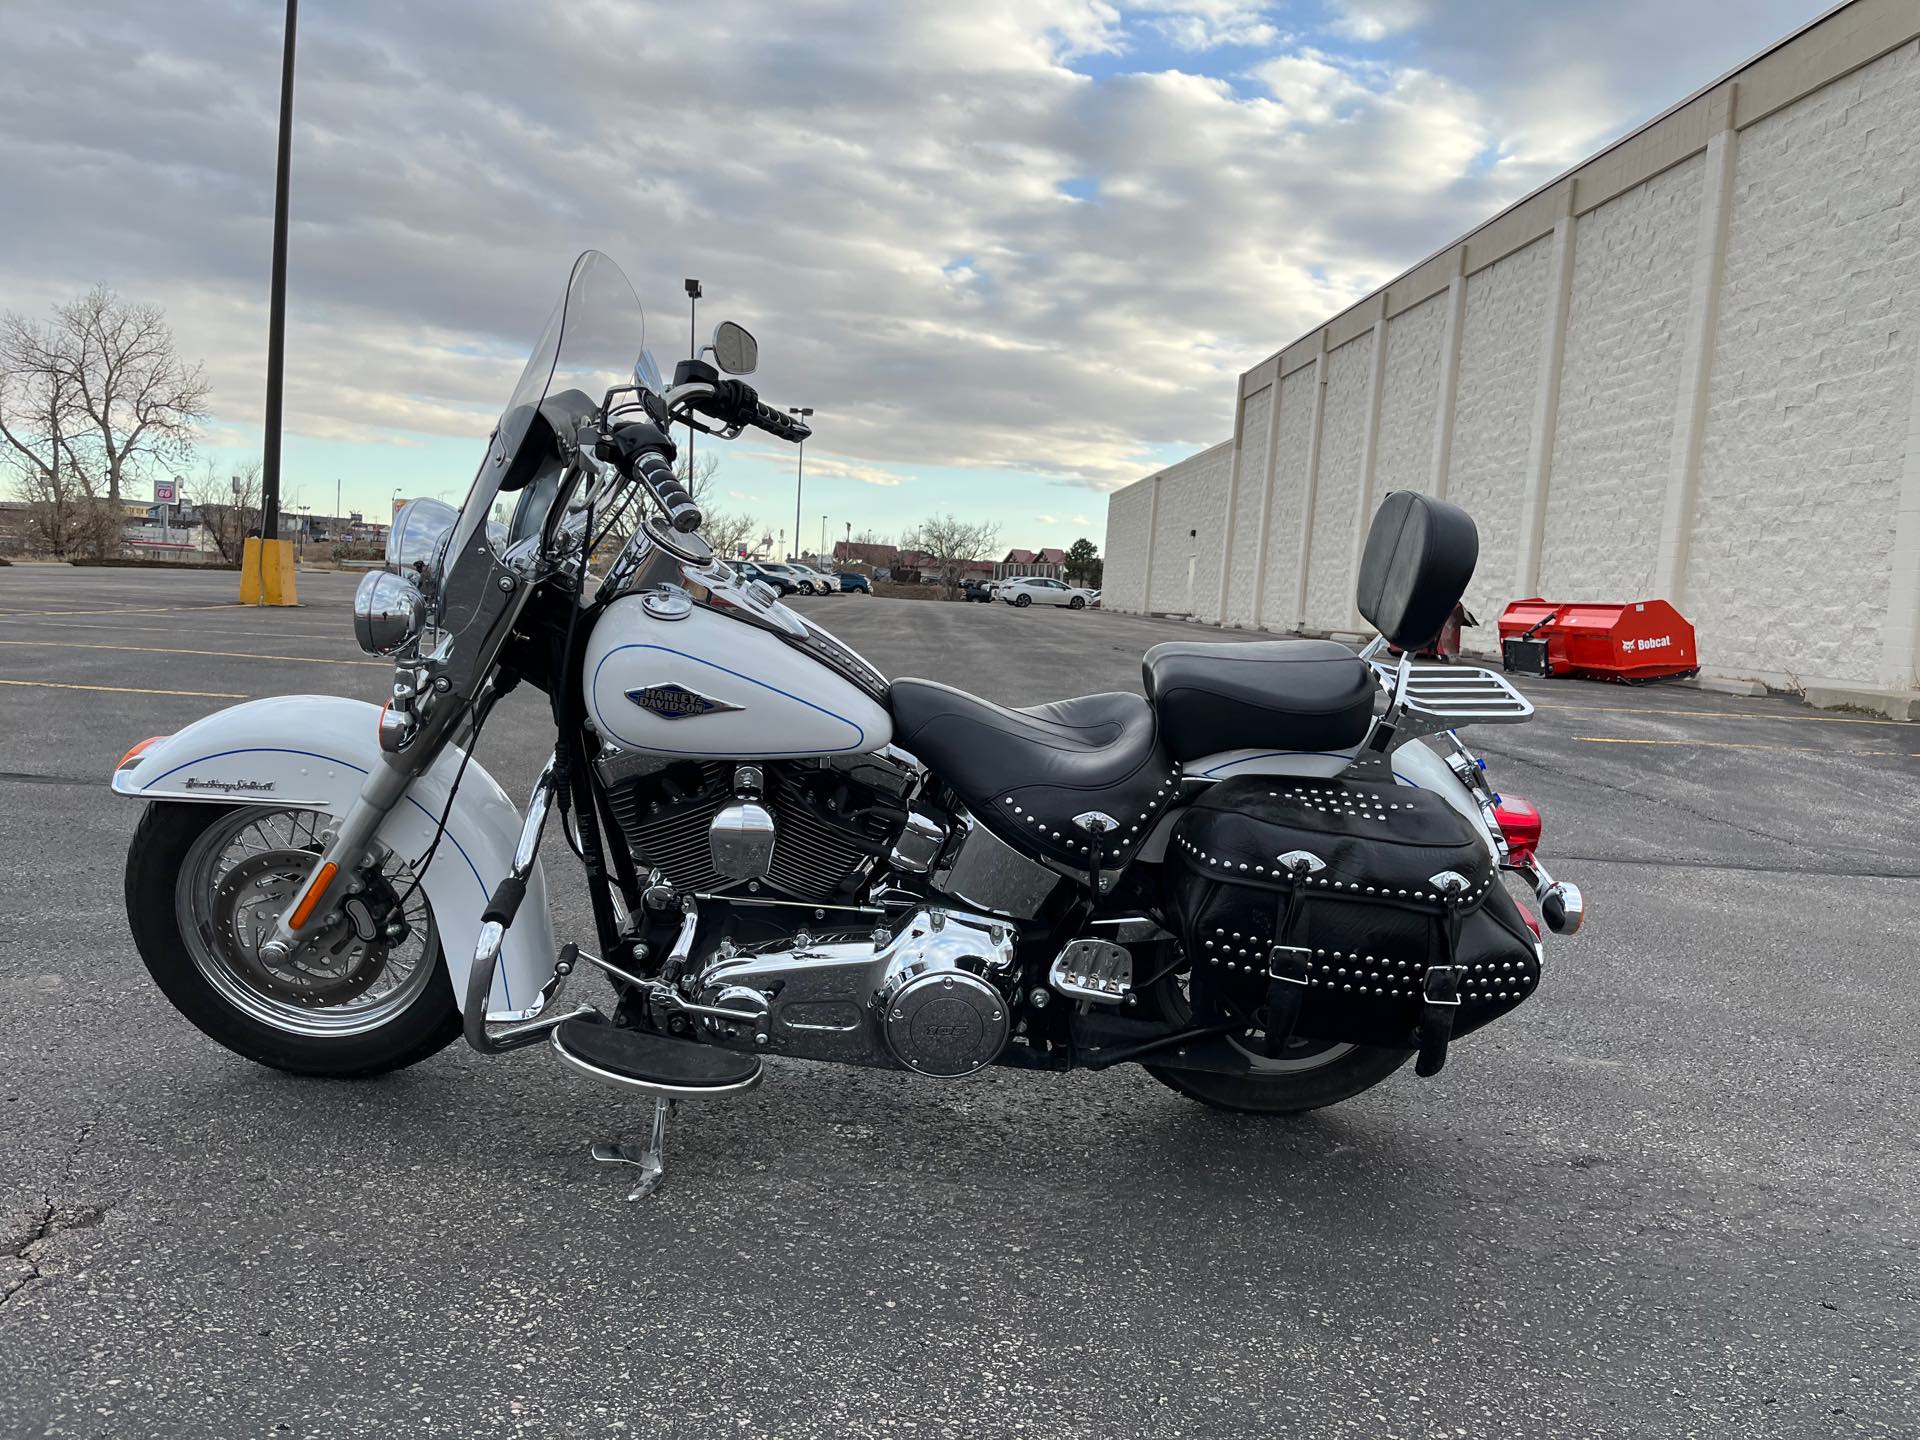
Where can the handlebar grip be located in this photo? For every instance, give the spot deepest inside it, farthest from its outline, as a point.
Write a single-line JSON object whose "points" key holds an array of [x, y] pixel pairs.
{"points": [[785, 426], [682, 513]]}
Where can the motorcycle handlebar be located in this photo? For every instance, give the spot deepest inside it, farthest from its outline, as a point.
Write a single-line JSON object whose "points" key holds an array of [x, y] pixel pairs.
{"points": [[682, 513], [734, 402], [785, 427]]}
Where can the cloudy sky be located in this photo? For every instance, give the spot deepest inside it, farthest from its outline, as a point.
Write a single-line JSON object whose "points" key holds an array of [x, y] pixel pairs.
{"points": [[1012, 251]]}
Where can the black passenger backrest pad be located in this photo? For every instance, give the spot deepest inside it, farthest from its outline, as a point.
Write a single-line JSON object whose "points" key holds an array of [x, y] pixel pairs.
{"points": [[1419, 557]]}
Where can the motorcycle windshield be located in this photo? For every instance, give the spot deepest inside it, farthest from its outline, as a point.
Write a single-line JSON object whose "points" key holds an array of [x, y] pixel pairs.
{"points": [[589, 345]]}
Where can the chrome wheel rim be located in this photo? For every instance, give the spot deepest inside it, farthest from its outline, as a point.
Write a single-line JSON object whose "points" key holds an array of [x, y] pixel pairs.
{"points": [[237, 876]]}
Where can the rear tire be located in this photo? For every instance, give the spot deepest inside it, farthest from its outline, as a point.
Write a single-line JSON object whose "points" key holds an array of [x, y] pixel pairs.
{"points": [[1293, 1090], [418, 1017], [1361, 1068]]}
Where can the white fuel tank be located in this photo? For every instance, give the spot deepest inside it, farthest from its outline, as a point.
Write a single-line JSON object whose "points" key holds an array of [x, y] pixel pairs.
{"points": [[698, 683]]}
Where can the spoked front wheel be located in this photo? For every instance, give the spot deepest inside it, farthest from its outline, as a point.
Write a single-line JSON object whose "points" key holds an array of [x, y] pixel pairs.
{"points": [[1306, 1075], [204, 885]]}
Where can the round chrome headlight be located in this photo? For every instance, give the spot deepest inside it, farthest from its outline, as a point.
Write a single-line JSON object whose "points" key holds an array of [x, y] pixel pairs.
{"points": [[388, 611], [417, 539]]}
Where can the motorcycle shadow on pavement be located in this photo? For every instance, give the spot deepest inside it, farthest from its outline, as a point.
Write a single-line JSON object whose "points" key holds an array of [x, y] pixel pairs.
{"points": [[506, 1146]]}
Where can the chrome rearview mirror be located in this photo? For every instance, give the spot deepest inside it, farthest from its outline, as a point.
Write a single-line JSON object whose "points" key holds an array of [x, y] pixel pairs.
{"points": [[734, 348]]}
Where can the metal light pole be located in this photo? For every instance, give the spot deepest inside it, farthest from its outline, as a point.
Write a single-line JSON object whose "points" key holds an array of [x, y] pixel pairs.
{"points": [[693, 353], [799, 471], [277, 300], [823, 540]]}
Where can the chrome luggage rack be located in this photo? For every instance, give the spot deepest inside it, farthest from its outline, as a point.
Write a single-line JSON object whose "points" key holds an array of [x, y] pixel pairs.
{"points": [[1429, 699]]}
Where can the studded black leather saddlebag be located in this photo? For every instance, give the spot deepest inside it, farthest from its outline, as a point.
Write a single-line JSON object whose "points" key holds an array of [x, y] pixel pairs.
{"points": [[1363, 913]]}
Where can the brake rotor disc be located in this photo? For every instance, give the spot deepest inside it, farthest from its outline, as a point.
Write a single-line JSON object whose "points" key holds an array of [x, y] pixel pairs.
{"points": [[330, 966]]}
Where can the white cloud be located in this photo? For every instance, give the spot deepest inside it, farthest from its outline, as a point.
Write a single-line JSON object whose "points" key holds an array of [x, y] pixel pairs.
{"points": [[1048, 519], [1200, 25], [853, 470], [1376, 19], [875, 188]]}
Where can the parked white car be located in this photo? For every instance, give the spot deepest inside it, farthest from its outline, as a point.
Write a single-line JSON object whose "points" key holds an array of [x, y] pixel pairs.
{"points": [[812, 581], [1026, 590]]}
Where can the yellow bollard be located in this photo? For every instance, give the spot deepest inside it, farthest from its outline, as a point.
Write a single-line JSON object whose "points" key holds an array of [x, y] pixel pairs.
{"points": [[266, 573]]}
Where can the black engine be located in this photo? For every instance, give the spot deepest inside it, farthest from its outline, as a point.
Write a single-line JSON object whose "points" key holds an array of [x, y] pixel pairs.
{"points": [[832, 822]]}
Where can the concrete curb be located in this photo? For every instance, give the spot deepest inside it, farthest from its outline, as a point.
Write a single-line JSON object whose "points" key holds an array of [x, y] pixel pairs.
{"points": [[1893, 704]]}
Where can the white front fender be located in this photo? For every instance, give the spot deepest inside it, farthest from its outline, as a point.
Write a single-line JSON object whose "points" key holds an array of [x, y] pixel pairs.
{"points": [[314, 751]]}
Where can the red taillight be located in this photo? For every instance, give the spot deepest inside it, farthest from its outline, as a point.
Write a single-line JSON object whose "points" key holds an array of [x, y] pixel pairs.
{"points": [[1519, 822], [1532, 924]]}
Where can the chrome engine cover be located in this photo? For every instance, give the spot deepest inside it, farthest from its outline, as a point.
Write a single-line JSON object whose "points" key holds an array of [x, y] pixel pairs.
{"points": [[934, 996]]}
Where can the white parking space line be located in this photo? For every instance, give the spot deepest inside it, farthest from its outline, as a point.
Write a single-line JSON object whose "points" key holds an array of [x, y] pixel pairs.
{"points": [[126, 689]]}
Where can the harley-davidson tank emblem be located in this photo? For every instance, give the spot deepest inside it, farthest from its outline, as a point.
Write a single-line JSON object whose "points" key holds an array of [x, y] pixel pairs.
{"points": [[676, 702]]}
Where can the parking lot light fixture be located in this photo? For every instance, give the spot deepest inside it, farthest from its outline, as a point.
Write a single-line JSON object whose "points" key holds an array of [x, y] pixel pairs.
{"points": [[799, 471]]}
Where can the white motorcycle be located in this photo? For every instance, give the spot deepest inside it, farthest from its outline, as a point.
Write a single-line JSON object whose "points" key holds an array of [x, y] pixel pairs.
{"points": [[1271, 880]]}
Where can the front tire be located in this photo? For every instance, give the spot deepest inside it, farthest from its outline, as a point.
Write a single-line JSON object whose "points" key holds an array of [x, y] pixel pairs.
{"points": [[1079, 602], [191, 871], [1020, 602]]}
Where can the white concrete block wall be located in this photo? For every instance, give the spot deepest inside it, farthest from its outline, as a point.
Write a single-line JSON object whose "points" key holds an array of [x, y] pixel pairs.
{"points": [[1289, 490], [1247, 510], [1493, 418], [1409, 394], [1619, 383], [1125, 552], [1731, 409], [1343, 436], [1812, 388], [1186, 566]]}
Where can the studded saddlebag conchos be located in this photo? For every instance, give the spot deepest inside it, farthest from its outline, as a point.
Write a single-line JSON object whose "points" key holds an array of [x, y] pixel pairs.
{"points": [[1362, 913]]}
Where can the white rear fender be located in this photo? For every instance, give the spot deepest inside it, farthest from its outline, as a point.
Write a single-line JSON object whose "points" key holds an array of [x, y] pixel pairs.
{"points": [[315, 751]]}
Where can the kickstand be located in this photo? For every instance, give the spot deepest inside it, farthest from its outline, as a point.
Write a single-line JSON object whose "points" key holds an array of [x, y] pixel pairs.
{"points": [[651, 1161]]}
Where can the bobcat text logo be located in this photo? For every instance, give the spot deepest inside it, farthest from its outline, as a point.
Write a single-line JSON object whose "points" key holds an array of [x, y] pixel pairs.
{"points": [[1627, 647]]}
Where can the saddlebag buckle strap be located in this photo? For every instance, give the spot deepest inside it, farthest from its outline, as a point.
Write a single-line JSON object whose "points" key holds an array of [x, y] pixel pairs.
{"points": [[1441, 992], [1288, 964], [1287, 967]]}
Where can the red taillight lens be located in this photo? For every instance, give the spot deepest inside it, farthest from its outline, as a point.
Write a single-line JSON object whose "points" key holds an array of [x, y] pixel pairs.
{"points": [[1520, 823]]}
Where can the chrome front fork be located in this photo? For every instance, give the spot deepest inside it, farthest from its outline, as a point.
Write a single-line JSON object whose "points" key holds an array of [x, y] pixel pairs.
{"points": [[336, 873]]}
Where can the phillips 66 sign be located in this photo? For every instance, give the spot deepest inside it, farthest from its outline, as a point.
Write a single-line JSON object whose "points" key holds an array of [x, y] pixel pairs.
{"points": [[163, 492]]}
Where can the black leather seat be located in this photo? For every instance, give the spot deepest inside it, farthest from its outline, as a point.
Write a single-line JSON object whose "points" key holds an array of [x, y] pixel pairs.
{"points": [[1267, 695], [1028, 773]]}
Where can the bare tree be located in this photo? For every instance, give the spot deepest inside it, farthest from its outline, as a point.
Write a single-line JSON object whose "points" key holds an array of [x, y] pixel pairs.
{"points": [[40, 423], [700, 481], [229, 523], [140, 401], [951, 545], [727, 531]]}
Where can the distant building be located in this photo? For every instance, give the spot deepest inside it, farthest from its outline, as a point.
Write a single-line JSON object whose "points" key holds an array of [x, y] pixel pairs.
{"points": [[1049, 563], [864, 555]]}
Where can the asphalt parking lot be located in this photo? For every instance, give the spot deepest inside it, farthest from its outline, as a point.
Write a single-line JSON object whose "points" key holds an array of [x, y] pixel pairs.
{"points": [[1676, 1194]]}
